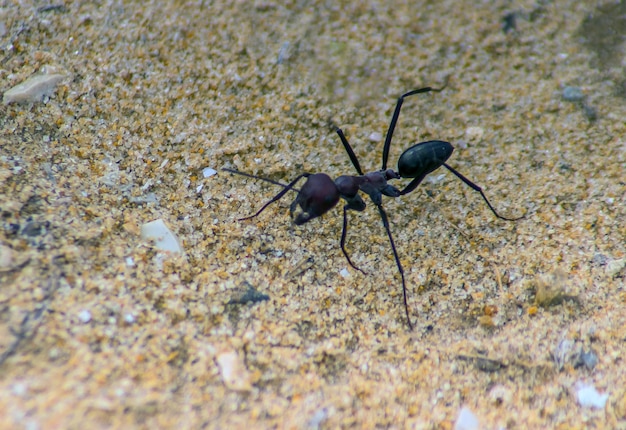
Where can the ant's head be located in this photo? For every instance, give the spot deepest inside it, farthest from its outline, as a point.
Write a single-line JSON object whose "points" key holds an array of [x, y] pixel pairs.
{"points": [[391, 174], [318, 195]]}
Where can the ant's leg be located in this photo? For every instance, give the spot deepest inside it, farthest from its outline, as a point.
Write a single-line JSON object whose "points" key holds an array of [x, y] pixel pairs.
{"points": [[351, 154], [383, 215], [344, 231], [271, 181], [278, 196], [480, 190], [396, 114], [412, 185]]}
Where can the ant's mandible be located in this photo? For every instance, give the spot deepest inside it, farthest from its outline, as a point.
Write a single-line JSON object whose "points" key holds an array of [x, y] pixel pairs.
{"points": [[320, 193]]}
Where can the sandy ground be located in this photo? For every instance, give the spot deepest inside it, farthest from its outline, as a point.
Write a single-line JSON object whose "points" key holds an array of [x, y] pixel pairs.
{"points": [[99, 329]]}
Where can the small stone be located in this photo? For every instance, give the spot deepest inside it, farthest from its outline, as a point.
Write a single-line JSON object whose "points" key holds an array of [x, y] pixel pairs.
{"points": [[466, 420], [614, 267], [599, 259], [33, 89], [19, 389], [572, 94], [6, 257], [375, 137], [207, 172], [589, 359], [589, 397], [164, 239], [233, 371], [500, 394], [84, 316]]}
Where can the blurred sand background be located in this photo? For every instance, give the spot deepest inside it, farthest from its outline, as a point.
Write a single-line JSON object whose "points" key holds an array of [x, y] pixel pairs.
{"points": [[100, 330]]}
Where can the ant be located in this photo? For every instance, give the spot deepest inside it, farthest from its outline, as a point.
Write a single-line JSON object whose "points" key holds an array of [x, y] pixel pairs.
{"points": [[320, 193]]}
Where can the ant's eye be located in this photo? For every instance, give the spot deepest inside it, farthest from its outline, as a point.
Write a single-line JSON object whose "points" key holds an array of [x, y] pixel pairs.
{"points": [[391, 174]]}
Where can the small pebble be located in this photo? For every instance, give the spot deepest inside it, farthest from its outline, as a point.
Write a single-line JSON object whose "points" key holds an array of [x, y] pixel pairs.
{"points": [[283, 53], [207, 172], [20, 389], [572, 94], [466, 420], [375, 137], [6, 257], [84, 316], [344, 272], [589, 359], [500, 394], [233, 371], [318, 418], [34, 229], [614, 267], [599, 259], [589, 397], [146, 198], [163, 237], [33, 89], [432, 179]]}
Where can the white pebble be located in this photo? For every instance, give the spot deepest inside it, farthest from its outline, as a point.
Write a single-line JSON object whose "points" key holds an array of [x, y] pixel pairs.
{"points": [[435, 179], [344, 272], [375, 137], [84, 316], [207, 172], [130, 262], [466, 420], [19, 389], [572, 94], [614, 267], [33, 89], [6, 257], [233, 371], [500, 394], [318, 418], [163, 237], [129, 318], [589, 397]]}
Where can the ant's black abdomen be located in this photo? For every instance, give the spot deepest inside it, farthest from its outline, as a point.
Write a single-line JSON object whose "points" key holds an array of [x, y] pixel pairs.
{"points": [[423, 158]]}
